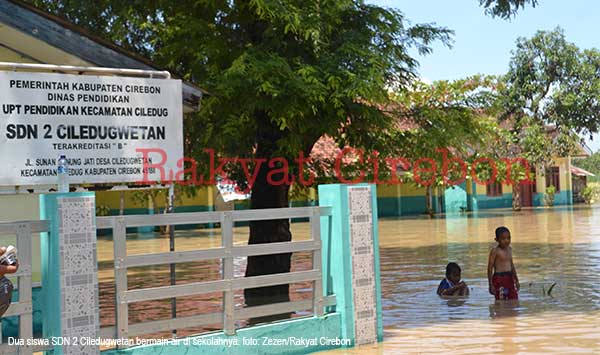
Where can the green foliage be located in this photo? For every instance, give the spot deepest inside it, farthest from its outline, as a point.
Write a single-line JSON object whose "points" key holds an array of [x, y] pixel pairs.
{"points": [[283, 73], [290, 91], [280, 73], [549, 195], [532, 141], [447, 121], [554, 82], [549, 95], [590, 194], [102, 210], [505, 8], [591, 164], [445, 115]]}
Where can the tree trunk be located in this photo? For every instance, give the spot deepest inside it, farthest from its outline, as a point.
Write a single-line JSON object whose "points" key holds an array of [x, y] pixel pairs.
{"points": [[516, 197], [265, 195], [428, 201]]}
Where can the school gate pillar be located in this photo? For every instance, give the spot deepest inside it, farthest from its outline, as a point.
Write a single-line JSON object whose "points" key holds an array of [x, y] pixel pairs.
{"points": [[70, 272], [350, 252]]}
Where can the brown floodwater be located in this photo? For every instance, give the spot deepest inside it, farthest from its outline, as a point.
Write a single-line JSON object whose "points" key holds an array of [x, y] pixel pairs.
{"points": [[209, 270], [550, 246], [558, 246]]}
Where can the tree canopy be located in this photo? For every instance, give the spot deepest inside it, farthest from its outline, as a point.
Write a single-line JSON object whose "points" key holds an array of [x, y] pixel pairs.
{"points": [[505, 8], [281, 74], [591, 164], [549, 94], [554, 82], [551, 82]]}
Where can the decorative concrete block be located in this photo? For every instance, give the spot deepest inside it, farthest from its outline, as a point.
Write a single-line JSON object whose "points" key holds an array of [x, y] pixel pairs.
{"points": [[70, 272], [351, 259], [363, 270]]}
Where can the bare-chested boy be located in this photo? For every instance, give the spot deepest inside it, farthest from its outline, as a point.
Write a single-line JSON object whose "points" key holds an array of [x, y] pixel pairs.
{"points": [[502, 275]]}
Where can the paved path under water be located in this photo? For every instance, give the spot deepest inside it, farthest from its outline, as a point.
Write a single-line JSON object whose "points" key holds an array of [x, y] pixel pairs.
{"points": [[550, 246]]}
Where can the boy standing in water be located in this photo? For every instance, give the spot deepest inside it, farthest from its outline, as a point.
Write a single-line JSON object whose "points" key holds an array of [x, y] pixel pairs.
{"points": [[502, 275]]}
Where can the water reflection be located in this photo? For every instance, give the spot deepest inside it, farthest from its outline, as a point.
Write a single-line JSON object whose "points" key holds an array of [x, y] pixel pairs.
{"points": [[456, 302], [509, 308], [410, 277]]}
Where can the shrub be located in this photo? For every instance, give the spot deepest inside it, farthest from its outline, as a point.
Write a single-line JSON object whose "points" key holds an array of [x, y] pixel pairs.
{"points": [[102, 210], [549, 195], [589, 194]]}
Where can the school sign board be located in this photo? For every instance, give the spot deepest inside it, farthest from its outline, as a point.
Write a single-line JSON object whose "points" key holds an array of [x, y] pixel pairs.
{"points": [[109, 128]]}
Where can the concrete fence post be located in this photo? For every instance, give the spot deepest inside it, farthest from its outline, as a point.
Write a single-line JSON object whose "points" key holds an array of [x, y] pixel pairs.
{"points": [[70, 272], [350, 257]]}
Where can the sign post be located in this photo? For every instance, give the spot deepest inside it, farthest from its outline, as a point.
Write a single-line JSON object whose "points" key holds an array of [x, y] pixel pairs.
{"points": [[111, 130], [106, 126]]}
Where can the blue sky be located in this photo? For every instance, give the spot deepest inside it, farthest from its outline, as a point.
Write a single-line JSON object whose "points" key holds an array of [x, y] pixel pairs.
{"points": [[483, 44]]}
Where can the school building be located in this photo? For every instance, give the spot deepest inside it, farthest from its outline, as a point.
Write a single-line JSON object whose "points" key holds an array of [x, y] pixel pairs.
{"points": [[470, 196], [402, 199]]}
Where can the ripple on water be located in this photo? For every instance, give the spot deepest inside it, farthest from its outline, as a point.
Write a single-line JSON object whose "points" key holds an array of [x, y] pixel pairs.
{"points": [[560, 247]]}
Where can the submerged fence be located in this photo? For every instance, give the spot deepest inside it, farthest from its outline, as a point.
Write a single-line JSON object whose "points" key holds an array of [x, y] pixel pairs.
{"points": [[228, 283]]}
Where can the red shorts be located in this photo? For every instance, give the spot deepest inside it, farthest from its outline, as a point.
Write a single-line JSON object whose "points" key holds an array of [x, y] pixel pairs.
{"points": [[504, 283]]}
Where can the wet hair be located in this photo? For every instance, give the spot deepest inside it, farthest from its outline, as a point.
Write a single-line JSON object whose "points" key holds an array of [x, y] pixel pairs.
{"points": [[452, 268], [501, 230]]}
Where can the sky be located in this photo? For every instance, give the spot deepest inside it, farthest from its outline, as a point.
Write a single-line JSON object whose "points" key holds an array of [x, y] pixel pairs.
{"points": [[483, 44]]}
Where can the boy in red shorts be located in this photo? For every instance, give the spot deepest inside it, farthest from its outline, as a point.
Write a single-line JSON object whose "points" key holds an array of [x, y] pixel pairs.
{"points": [[502, 275]]}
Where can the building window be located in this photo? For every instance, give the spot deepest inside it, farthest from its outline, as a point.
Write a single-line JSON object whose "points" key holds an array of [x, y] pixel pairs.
{"points": [[553, 178], [494, 189]]}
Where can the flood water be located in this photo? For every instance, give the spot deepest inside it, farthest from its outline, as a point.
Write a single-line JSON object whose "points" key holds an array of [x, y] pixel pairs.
{"points": [[550, 246], [209, 270]]}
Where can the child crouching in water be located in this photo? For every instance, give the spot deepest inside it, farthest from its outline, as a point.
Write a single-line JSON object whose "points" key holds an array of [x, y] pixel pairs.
{"points": [[451, 285]]}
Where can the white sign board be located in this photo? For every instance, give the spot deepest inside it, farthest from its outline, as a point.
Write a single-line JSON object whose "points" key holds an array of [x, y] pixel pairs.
{"points": [[104, 125]]}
